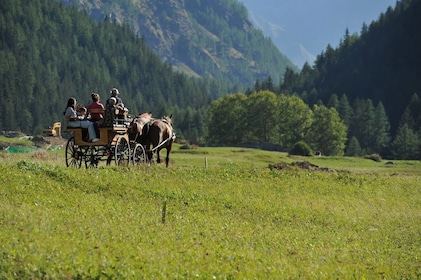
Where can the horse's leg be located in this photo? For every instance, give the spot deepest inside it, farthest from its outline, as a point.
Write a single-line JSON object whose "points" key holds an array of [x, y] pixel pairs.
{"points": [[167, 159], [158, 158], [109, 155], [150, 155]]}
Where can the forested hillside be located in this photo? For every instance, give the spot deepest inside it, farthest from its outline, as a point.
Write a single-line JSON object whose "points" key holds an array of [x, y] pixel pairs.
{"points": [[372, 81], [358, 99], [382, 63], [202, 38], [49, 53]]}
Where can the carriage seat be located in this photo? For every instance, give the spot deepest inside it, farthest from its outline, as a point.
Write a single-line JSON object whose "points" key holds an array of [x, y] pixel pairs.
{"points": [[115, 117], [96, 111]]}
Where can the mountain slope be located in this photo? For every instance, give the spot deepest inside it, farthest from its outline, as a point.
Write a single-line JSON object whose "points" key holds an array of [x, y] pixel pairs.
{"points": [[304, 28], [381, 64], [202, 38], [49, 53]]}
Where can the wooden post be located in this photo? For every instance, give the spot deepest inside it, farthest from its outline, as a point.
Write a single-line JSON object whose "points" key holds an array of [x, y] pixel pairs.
{"points": [[164, 211]]}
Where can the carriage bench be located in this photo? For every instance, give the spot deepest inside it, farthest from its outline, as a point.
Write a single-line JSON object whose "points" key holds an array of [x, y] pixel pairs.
{"points": [[106, 134]]}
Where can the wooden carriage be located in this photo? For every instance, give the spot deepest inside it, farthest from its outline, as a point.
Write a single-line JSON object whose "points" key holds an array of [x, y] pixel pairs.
{"points": [[114, 144]]}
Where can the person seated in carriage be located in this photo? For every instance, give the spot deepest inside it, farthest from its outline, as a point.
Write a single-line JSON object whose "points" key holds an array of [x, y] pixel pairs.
{"points": [[115, 93], [75, 119], [96, 108], [109, 113], [122, 110], [81, 111]]}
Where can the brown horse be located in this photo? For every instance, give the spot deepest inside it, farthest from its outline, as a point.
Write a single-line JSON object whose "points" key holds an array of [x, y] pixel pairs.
{"points": [[136, 128], [161, 135]]}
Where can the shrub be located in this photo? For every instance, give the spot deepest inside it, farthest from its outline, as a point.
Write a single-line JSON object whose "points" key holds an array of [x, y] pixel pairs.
{"points": [[188, 147], [375, 157], [301, 149]]}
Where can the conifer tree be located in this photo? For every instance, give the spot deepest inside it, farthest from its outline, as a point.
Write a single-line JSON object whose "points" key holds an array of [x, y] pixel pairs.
{"points": [[381, 129], [353, 149], [406, 144]]}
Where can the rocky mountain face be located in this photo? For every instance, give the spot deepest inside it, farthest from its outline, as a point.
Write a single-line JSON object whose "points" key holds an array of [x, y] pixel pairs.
{"points": [[213, 39]]}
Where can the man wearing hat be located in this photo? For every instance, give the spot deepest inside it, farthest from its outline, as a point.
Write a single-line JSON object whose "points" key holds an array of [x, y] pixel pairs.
{"points": [[118, 104], [115, 93]]}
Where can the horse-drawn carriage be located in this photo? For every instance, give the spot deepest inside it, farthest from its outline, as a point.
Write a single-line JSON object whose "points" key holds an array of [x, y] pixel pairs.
{"points": [[126, 142]]}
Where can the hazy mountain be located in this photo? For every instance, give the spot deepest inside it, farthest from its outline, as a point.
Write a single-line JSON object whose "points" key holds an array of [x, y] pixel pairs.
{"points": [[202, 38], [302, 29]]}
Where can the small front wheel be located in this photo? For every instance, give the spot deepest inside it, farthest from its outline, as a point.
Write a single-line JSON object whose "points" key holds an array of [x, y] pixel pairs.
{"points": [[73, 154], [139, 155]]}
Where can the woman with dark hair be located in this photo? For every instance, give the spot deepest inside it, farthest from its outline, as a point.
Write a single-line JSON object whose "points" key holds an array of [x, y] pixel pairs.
{"points": [[73, 120]]}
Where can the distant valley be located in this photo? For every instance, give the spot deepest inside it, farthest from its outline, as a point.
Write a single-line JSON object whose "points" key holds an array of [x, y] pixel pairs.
{"points": [[302, 29]]}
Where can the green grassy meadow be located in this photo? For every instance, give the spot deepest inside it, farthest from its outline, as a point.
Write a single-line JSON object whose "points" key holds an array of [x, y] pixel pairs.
{"points": [[215, 213]]}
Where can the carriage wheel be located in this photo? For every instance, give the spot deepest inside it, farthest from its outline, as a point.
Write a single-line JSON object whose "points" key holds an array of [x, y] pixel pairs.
{"points": [[139, 155], [91, 157], [73, 154], [122, 152]]}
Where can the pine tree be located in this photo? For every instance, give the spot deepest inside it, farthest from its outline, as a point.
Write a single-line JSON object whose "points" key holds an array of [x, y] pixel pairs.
{"points": [[345, 110], [406, 144], [353, 149], [381, 129]]}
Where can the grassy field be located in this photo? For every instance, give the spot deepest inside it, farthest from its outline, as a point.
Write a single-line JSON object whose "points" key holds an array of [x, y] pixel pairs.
{"points": [[215, 213]]}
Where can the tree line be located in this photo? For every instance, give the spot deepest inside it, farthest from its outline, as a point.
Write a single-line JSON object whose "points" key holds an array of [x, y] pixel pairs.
{"points": [[337, 128], [49, 53], [371, 79]]}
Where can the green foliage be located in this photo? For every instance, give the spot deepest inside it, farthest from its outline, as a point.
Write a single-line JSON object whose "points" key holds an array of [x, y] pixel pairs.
{"points": [[353, 149], [363, 69], [226, 122], [262, 117], [301, 149], [406, 144], [219, 222], [375, 157], [206, 38], [327, 133], [49, 53], [294, 119]]}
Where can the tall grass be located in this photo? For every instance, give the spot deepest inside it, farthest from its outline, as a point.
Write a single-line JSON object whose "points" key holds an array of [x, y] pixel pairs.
{"points": [[235, 219]]}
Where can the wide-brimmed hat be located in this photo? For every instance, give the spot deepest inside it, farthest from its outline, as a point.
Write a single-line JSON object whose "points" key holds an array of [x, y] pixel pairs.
{"points": [[114, 92]]}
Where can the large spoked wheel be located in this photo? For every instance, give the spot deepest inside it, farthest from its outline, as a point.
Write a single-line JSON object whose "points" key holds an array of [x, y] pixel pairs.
{"points": [[139, 155], [73, 154], [122, 152]]}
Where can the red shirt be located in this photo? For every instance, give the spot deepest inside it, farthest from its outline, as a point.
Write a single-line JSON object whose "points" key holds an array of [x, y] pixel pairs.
{"points": [[96, 116]]}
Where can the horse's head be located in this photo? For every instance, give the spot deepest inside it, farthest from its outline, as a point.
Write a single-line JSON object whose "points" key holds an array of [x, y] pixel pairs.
{"points": [[145, 115], [133, 127], [167, 119]]}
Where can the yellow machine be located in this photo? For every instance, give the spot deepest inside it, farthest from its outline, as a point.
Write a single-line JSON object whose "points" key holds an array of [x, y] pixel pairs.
{"points": [[55, 130]]}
